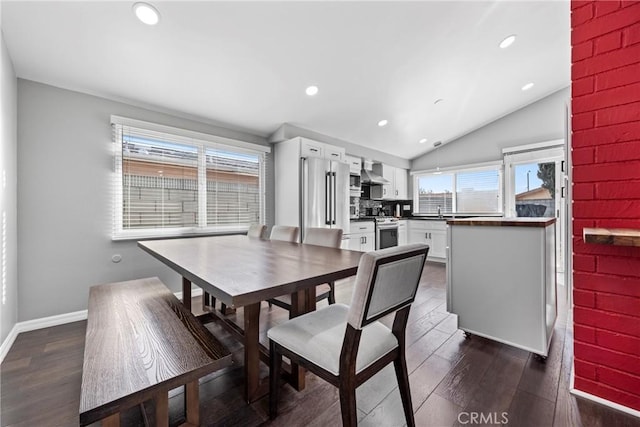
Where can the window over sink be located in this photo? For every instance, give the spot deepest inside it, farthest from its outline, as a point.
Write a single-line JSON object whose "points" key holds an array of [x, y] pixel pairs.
{"points": [[170, 182], [473, 190]]}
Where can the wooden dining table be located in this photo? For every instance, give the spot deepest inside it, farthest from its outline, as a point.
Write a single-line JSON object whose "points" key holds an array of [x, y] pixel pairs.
{"points": [[242, 271]]}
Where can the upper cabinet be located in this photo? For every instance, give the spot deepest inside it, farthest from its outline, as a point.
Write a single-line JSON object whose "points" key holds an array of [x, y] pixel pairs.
{"points": [[355, 164], [310, 148], [397, 187]]}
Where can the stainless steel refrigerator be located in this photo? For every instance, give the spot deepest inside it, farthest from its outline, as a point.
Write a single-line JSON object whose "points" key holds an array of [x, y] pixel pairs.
{"points": [[324, 194]]}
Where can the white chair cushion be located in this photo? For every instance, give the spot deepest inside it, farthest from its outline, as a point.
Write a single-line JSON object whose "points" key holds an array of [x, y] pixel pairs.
{"points": [[318, 337]]}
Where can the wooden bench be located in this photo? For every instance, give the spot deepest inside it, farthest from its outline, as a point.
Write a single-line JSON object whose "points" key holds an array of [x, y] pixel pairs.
{"points": [[142, 342]]}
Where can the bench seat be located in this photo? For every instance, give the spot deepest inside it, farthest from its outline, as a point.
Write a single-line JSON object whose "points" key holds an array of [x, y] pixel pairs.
{"points": [[142, 342]]}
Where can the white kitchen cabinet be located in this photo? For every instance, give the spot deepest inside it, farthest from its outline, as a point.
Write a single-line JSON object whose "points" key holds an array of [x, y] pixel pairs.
{"points": [[501, 279], [355, 164], [397, 187], [431, 232], [310, 148], [362, 236], [403, 232]]}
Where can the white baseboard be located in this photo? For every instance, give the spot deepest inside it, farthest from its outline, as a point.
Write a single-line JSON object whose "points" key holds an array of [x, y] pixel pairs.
{"points": [[600, 400], [60, 319]]}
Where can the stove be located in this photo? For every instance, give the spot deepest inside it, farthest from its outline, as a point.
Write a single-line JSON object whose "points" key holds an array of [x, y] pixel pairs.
{"points": [[386, 231]]}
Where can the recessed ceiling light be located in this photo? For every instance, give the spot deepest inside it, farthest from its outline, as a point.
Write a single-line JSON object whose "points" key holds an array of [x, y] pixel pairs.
{"points": [[423, 140], [312, 90], [507, 41], [438, 101], [382, 123], [146, 13], [527, 86]]}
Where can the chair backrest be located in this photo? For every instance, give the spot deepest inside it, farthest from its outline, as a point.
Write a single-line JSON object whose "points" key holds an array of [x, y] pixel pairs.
{"points": [[387, 280], [256, 230], [330, 237], [284, 233]]}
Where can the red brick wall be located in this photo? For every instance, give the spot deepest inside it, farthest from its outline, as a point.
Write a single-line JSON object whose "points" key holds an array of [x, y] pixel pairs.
{"points": [[605, 104]]}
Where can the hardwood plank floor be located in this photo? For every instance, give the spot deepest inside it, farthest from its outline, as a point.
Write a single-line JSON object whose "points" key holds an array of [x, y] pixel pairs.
{"points": [[451, 377]]}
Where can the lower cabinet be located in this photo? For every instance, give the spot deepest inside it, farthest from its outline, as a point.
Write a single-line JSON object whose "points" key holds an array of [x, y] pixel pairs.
{"points": [[403, 232], [362, 236], [431, 232]]}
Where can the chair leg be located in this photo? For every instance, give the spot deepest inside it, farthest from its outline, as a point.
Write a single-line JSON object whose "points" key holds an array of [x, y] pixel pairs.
{"points": [[275, 363], [332, 293], [348, 405], [400, 366]]}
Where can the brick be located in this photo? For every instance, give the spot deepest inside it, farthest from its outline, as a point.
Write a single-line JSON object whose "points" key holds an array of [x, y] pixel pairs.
{"points": [[619, 77], [583, 191], [620, 266], [580, 247], [585, 263], [606, 98], [583, 121], [604, 357], [581, 51], [606, 209], [606, 135], [583, 86], [618, 114], [607, 43], [605, 24], [584, 298], [621, 223], [582, 14], [615, 171], [605, 62], [580, 224], [605, 7], [617, 190], [615, 341], [618, 379], [618, 304], [622, 152], [603, 283], [575, 4], [582, 156], [608, 393], [585, 369], [631, 35], [610, 321], [584, 333]]}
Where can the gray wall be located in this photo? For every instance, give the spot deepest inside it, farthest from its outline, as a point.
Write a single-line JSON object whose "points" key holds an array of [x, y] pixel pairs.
{"points": [[64, 229], [8, 149], [541, 121]]}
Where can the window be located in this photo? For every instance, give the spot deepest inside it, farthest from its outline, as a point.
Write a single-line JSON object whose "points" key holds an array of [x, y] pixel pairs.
{"points": [[173, 182], [472, 190]]}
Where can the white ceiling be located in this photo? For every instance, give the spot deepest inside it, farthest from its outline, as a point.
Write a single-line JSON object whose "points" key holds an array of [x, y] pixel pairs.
{"points": [[247, 64]]}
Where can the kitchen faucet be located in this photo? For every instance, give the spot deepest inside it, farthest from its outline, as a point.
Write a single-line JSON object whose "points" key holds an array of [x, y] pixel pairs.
{"points": [[439, 213]]}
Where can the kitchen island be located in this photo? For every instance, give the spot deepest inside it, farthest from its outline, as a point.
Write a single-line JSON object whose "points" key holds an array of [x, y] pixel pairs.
{"points": [[501, 279]]}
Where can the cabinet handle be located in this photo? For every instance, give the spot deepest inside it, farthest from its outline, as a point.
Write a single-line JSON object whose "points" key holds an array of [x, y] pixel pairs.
{"points": [[396, 192], [315, 150], [335, 154]]}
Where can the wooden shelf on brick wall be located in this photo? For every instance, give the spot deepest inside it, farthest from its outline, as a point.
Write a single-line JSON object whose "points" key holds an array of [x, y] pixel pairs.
{"points": [[612, 236]]}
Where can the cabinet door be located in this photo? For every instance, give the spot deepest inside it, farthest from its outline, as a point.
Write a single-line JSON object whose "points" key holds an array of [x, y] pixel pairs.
{"points": [[439, 244], [355, 241], [309, 148], [402, 234], [389, 190], [401, 184], [333, 153], [355, 165], [369, 242]]}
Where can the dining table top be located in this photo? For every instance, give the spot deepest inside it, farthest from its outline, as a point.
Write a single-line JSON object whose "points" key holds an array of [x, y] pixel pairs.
{"points": [[240, 270]]}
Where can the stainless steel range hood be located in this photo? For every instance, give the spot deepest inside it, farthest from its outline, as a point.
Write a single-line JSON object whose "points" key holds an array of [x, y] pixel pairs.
{"points": [[369, 177]]}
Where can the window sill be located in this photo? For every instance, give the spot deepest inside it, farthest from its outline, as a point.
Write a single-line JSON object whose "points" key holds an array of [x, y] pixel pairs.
{"points": [[173, 235]]}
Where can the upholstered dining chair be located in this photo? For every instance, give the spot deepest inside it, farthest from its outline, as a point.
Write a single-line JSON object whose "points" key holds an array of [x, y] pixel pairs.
{"points": [[346, 345], [285, 233], [330, 237], [257, 230]]}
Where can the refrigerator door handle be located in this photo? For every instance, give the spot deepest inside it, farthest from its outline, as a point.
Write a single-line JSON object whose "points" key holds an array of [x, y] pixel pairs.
{"points": [[327, 198], [334, 197]]}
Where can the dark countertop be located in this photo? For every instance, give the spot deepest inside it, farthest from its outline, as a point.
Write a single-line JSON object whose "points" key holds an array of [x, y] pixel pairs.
{"points": [[503, 222]]}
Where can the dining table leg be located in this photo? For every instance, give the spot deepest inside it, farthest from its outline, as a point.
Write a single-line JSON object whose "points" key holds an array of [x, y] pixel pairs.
{"points": [[252, 351]]}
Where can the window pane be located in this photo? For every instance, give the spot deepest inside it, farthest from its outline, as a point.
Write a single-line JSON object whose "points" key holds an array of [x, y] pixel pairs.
{"points": [[233, 188], [535, 185], [435, 191], [478, 191], [160, 184]]}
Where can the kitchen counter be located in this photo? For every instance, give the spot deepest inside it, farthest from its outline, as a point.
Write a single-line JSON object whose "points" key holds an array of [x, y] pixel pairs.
{"points": [[361, 219], [503, 222]]}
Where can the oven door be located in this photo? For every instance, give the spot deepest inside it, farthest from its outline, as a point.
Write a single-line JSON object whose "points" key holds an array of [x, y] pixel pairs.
{"points": [[386, 236]]}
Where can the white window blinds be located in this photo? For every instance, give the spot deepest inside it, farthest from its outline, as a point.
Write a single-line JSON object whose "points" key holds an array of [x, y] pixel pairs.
{"points": [[176, 184]]}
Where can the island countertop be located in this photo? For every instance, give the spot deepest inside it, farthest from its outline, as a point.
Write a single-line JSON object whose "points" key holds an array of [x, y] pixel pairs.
{"points": [[503, 222]]}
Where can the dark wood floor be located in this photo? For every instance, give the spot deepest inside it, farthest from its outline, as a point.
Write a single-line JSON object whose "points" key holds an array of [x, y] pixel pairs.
{"points": [[451, 377]]}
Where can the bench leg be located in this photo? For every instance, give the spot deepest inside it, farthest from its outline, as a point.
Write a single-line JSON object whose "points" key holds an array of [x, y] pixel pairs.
{"points": [[192, 403], [111, 421], [162, 409], [186, 293]]}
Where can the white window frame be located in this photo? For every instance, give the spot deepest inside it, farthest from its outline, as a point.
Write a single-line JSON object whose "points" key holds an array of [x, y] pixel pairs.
{"points": [[200, 140], [454, 170]]}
